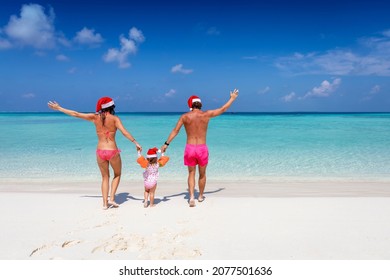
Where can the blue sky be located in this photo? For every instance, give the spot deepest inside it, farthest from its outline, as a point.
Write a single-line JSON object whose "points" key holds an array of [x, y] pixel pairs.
{"points": [[282, 55]]}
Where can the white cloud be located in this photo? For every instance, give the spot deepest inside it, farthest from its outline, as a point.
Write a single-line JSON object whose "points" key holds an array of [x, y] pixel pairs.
{"points": [[264, 90], [136, 35], [375, 89], [371, 57], [170, 93], [179, 69], [72, 70], [32, 28], [386, 33], [213, 31], [206, 29], [325, 89], [5, 44], [40, 53], [162, 98], [289, 97], [88, 37], [28, 95], [62, 40], [250, 57], [115, 55], [62, 57], [332, 62], [128, 46]]}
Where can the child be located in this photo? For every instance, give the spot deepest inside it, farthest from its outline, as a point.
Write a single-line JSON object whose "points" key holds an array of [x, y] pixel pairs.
{"points": [[151, 165]]}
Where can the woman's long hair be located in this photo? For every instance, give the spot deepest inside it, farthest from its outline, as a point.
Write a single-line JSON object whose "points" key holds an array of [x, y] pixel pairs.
{"points": [[103, 112]]}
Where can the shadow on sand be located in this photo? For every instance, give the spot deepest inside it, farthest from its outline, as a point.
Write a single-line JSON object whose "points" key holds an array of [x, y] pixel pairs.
{"points": [[123, 197]]}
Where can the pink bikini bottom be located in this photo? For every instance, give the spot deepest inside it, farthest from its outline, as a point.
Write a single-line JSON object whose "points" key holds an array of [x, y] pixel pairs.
{"points": [[107, 154]]}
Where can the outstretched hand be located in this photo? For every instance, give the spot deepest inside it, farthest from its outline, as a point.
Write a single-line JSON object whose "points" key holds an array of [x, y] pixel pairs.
{"points": [[53, 105], [163, 148], [234, 93]]}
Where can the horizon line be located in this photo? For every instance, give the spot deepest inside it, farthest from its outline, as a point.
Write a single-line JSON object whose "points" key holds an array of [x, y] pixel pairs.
{"points": [[233, 112]]}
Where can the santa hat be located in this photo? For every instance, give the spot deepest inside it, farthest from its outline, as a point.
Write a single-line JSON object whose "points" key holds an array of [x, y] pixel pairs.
{"points": [[193, 99], [104, 103], [152, 153]]}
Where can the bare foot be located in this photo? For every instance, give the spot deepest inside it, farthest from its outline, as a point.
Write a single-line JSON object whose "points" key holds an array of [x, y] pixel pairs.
{"points": [[201, 198], [113, 204], [192, 202], [145, 204]]}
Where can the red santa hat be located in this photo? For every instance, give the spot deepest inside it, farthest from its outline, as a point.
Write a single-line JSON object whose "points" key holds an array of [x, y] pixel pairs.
{"points": [[193, 99], [104, 103], [152, 153]]}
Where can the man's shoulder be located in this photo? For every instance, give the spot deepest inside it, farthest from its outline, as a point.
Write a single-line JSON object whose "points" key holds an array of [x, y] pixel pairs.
{"points": [[186, 115], [192, 114]]}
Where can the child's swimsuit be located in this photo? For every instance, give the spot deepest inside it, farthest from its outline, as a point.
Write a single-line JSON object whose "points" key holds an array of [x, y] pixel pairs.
{"points": [[107, 154], [151, 170], [151, 175], [196, 154]]}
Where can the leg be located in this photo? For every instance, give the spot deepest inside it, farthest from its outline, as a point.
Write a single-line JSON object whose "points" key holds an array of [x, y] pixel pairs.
{"points": [[146, 196], [116, 164], [104, 170], [191, 184], [202, 182], [152, 191]]}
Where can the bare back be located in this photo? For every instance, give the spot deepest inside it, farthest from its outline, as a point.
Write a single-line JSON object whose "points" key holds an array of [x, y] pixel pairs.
{"points": [[106, 133], [196, 123]]}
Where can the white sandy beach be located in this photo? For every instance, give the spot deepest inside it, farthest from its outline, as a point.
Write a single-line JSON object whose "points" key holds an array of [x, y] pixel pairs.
{"points": [[235, 222]]}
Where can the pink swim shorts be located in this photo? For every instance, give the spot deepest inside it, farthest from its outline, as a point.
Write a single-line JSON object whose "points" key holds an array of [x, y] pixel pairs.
{"points": [[196, 154]]}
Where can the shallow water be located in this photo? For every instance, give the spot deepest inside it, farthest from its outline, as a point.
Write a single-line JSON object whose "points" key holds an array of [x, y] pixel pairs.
{"points": [[255, 147]]}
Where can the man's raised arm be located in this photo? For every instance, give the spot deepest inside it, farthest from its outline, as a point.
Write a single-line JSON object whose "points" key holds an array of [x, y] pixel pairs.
{"points": [[219, 111]]}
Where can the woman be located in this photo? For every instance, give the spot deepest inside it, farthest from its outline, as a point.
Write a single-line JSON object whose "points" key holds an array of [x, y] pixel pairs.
{"points": [[107, 152]]}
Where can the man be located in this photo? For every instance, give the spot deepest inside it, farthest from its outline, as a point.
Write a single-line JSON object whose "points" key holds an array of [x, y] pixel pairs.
{"points": [[196, 152]]}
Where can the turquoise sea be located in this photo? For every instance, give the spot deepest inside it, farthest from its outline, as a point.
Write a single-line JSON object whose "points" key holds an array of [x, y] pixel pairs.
{"points": [[263, 147]]}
